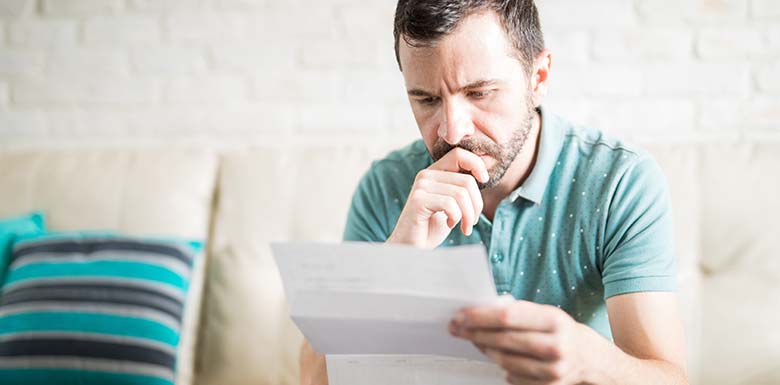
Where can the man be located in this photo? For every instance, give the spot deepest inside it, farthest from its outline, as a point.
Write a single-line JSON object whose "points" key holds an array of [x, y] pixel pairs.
{"points": [[577, 225]]}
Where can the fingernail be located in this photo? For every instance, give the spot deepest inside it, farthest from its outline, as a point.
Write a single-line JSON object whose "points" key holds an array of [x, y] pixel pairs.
{"points": [[460, 319]]}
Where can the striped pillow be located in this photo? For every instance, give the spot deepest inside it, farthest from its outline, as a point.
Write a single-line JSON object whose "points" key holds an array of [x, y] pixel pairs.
{"points": [[13, 227], [93, 309]]}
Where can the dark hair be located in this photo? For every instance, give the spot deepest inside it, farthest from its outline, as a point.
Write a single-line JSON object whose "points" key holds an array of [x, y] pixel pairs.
{"points": [[423, 22]]}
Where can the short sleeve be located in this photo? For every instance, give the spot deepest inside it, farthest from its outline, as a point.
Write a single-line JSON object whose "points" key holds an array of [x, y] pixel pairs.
{"points": [[638, 253], [367, 213]]}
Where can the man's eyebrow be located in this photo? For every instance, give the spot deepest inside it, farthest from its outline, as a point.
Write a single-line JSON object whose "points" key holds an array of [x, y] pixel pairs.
{"points": [[476, 84], [480, 83], [419, 92]]}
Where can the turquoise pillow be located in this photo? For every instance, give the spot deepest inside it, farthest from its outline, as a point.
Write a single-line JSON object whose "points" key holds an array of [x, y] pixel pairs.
{"points": [[93, 308], [31, 224]]}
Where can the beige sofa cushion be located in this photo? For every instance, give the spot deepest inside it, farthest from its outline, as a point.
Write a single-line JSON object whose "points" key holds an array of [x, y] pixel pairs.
{"points": [[680, 164], [267, 195], [135, 191], [741, 342], [276, 195], [741, 289], [740, 226], [144, 192]]}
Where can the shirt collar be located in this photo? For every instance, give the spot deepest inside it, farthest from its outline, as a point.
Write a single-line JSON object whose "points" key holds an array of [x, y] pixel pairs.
{"points": [[550, 144]]}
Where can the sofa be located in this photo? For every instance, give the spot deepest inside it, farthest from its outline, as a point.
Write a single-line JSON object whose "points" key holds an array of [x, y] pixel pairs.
{"points": [[236, 330]]}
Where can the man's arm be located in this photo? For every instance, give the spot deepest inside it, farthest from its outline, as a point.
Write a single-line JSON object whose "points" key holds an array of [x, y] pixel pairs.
{"points": [[541, 344], [649, 341]]}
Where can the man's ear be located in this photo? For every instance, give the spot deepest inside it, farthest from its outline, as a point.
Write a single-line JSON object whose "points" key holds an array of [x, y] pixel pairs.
{"points": [[540, 77]]}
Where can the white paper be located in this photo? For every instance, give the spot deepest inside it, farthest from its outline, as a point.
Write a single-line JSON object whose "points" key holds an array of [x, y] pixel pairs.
{"points": [[417, 370], [359, 299]]}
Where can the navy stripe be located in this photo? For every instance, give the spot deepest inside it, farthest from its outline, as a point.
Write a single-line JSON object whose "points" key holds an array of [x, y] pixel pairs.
{"points": [[91, 246], [113, 297], [124, 286], [91, 349]]}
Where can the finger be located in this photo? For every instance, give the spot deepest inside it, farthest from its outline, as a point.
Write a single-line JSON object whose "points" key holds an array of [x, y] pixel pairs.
{"points": [[312, 365], [526, 368], [439, 220], [457, 179], [433, 203], [518, 380], [539, 345], [460, 194], [459, 159], [520, 315]]}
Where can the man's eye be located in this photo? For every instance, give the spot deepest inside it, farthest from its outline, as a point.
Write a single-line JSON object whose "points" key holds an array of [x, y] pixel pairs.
{"points": [[428, 101]]}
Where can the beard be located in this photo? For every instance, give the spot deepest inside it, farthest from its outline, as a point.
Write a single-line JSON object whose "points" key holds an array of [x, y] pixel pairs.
{"points": [[503, 153]]}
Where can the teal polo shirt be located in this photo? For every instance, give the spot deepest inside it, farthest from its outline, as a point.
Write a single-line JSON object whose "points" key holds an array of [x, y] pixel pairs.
{"points": [[592, 220]]}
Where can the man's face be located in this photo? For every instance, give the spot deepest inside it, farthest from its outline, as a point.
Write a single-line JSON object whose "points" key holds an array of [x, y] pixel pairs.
{"points": [[469, 90]]}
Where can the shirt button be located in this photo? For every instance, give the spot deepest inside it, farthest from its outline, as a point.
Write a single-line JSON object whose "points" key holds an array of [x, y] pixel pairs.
{"points": [[497, 258]]}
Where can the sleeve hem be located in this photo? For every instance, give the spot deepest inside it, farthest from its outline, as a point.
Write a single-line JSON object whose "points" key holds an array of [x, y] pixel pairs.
{"points": [[635, 285]]}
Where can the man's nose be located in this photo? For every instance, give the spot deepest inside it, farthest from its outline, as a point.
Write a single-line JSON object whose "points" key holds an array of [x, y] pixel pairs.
{"points": [[455, 122]]}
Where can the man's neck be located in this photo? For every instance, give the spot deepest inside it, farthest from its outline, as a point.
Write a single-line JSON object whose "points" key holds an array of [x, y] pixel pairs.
{"points": [[518, 171]]}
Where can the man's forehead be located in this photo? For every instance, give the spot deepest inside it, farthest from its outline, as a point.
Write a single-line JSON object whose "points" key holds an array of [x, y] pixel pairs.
{"points": [[477, 49], [460, 67]]}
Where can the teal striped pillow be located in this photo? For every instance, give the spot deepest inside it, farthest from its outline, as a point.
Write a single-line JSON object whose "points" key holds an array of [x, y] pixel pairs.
{"points": [[93, 309], [11, 228]]}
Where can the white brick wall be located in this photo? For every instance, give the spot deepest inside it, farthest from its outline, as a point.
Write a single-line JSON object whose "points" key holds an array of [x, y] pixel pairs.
{"points": [[43, 33], [4, 95], [122, 31], [80, 7], [238, 72], [16, 63], [766, 9], [16, 8]]}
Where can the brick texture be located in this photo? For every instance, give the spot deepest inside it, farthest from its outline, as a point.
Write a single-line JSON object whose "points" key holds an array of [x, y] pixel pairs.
{"points": [[80, 7], [240, 72]]}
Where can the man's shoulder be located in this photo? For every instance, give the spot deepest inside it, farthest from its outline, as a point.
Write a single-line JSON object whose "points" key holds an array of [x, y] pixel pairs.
{"points": [[602, 162], [414, 152], [597, 146], [383, 189], [403, 163]]}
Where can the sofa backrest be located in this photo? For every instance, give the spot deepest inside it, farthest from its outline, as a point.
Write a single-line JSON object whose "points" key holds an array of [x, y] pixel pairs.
{"points": [[724, 200], [161, 192], [136, 191], [268, 195]]}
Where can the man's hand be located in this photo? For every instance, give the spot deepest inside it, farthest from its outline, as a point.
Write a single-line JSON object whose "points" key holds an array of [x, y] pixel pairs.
{"points": [[312, 366], [534, 344], [441, 197]]}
